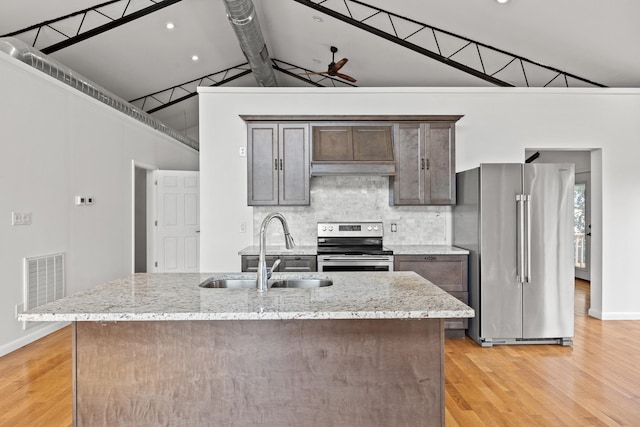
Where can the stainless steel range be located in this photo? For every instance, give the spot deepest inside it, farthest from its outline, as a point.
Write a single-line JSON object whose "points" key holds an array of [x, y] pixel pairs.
{"points": [[352, 246]]}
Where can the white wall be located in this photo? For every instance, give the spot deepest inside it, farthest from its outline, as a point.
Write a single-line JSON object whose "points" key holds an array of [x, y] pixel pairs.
{"points": [[498, 125], [56, 143]]}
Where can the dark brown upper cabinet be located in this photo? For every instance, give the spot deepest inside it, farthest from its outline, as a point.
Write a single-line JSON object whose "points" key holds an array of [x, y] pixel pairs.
{"points": [[425, 164], [278, 164], [352, 149]]}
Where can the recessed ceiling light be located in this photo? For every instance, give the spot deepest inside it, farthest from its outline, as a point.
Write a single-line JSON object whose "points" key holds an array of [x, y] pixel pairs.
{"points": [[170, 26], [317, 18], [503, 1], [195, 58]]}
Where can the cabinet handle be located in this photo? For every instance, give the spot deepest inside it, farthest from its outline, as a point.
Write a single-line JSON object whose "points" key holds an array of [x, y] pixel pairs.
{"points": [[275, 163], [430, 258], [422, 163], [280, 164], [427, 164]]}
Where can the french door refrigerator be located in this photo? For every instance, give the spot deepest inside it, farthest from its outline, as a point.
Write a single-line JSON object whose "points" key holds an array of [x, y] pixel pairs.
{"points": [[516, 220]]}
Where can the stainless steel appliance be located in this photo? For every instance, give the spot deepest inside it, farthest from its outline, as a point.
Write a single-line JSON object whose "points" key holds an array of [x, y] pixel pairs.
{"points": [[516, 220], [352, 246]]}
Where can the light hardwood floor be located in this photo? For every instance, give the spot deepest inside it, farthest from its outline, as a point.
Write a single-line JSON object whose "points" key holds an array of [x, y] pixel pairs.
{"points": [[596, 382]]}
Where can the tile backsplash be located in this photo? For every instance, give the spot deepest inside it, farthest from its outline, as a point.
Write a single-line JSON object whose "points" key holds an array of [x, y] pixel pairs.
{"points": [[357, 198]]}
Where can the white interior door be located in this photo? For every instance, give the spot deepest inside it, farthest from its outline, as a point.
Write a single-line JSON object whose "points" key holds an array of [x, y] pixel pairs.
{"points": [[582, 228], [177, 222]]}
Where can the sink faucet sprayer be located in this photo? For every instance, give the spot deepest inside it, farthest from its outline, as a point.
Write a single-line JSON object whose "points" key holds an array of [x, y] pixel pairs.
{"points": [[263, 272]]}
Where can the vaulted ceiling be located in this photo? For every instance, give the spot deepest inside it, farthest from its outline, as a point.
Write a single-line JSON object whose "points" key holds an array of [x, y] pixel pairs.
{"points": [[574, 43]]}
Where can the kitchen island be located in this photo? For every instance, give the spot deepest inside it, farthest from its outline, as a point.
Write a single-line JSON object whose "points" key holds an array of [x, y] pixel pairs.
{"points": [[157, 349]]}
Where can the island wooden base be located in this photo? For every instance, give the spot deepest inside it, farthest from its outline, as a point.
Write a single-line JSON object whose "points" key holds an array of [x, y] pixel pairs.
{"points": [[268, 373]]}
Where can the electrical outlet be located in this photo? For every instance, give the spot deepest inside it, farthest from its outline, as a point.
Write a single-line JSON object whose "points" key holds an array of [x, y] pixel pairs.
{"points": [[80, 200], [89, 200], [20, 218], [243, 227], [394, 227], [243, 151]]}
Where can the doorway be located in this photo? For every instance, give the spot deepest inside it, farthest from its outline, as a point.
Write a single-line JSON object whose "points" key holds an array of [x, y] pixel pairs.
{"points": [[582, 225], [141, 225]]}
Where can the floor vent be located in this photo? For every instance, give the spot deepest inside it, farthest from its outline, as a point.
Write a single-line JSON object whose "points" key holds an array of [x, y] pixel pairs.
{"points": [[44, 281]]}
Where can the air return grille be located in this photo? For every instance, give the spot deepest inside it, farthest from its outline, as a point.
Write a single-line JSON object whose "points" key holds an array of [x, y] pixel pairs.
{"points": [[44, 281]]}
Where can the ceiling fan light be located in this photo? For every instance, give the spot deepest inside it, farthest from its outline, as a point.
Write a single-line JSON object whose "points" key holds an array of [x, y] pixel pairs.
{"points": [[170, 26]]}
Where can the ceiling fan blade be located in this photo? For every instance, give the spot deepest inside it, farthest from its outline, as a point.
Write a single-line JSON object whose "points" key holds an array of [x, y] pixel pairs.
{"points": [[338, 65], [346, 77]]}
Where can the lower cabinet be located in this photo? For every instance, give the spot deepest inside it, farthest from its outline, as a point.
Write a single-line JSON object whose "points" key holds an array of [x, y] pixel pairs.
{"points": [[448, 272], [288, 263]]}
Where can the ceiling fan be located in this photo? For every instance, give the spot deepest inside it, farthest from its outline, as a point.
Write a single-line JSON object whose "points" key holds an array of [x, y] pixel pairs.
{"points": [[334, 67]]}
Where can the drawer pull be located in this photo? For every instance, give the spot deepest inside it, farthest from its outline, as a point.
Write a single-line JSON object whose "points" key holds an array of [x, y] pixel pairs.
{"points": [[430, 258]]}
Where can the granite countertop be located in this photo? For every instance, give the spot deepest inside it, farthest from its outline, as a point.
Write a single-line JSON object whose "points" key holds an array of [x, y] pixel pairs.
{"points": [[397, 250], [177, 296]]}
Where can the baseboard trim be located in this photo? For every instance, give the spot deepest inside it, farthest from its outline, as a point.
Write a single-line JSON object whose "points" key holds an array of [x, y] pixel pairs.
{"points": [[614, 315], [31, 337]]}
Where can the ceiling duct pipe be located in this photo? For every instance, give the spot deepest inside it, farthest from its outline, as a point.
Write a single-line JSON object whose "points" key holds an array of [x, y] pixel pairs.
{"points": [[23, 52], [244, 21]]}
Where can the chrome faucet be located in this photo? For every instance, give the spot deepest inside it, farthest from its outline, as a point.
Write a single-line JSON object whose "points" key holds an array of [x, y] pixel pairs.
{"points": [[264, 273]]}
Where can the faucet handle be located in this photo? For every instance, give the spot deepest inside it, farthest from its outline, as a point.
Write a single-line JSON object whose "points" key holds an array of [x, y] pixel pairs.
{"points": [[273, 267]]}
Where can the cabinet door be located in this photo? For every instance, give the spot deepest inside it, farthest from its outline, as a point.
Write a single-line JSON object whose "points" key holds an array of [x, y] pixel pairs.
{"points": [[262, 164], [408, 184], [440, 174], [372, 143], [332, 143], [294, 164]]}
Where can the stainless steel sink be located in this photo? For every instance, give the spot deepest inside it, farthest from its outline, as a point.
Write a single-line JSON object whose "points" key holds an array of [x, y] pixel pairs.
{"points": [[229, 283], [302, 283]]}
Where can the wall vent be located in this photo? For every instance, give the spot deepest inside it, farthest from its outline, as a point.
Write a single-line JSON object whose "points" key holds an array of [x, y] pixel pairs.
{"points": [[44, 281]]}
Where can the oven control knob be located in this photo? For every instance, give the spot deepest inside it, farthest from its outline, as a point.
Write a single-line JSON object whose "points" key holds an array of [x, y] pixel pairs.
{"points": [[331, 228], [324, 228], [369, 228], [375, 227]]}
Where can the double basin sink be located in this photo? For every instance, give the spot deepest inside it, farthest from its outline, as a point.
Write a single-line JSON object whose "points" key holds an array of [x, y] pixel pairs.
{"points": [[233, 283]]}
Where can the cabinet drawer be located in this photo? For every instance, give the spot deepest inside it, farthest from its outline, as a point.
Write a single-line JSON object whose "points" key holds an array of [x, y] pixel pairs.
{"points": [[448, 272], [299, 264], [288, 263]]}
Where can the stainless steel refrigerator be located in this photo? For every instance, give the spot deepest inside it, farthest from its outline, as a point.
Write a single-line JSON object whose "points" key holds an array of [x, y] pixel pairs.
{"points": [[516, 220]]}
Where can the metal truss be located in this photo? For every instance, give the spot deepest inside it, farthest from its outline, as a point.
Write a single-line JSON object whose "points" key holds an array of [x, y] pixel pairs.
{"points": [[167, 97], [53, 35], [307, 75], [164, 98], [488, 63]]}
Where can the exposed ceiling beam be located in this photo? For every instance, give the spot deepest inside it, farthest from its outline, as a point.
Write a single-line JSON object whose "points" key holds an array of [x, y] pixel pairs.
{"points": [[306, 75], [77, 19], [166, 97], [384, 24]]}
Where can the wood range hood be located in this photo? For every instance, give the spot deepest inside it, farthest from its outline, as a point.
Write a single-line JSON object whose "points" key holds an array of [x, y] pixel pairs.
{"points": [[351, 144]]}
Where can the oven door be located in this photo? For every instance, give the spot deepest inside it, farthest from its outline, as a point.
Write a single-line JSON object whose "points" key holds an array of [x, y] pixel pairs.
{"points": [[355, 263]]}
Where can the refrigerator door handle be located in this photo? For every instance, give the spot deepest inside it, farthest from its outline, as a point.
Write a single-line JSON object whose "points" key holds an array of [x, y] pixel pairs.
{"points": [[520, 239], [527, 201]]}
